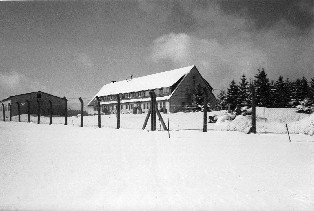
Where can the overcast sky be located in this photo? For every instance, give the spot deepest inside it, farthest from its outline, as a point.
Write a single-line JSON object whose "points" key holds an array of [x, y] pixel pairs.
{"points": [[73, 48]]}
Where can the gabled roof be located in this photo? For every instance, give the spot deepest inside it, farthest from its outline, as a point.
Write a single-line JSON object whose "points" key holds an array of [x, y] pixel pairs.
{"points": [[8, 98], [154, 81]]}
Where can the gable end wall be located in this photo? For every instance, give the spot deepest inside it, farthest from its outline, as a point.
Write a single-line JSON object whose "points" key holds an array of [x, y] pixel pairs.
{"points": [[183, 93]]}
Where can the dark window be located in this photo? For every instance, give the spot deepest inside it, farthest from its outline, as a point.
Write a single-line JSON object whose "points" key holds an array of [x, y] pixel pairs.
{"points": [[38, 95]]}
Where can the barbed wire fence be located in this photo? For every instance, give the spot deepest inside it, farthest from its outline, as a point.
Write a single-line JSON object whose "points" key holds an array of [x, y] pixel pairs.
{"points": [[74, 111]]}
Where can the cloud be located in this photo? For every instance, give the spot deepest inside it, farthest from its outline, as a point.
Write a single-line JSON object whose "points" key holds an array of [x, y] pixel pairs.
{"points": [[12, 83], [230, 40], [83, 60], [214, 59], [175, 47], [10, 80]]}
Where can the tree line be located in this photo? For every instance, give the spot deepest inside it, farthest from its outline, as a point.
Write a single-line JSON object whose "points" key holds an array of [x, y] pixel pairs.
{"points": [[276, 94]]}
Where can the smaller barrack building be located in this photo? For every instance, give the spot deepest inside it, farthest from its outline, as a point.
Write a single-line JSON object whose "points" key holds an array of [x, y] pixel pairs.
{"points": [[31, 100]]}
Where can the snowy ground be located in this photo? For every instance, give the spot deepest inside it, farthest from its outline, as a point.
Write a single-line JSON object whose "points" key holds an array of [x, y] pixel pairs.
{"points": [[267, 122], [61, 167]]}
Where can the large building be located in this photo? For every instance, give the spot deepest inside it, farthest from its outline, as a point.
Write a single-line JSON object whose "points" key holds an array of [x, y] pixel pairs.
{"points": [[174, 90], [31, 98]]}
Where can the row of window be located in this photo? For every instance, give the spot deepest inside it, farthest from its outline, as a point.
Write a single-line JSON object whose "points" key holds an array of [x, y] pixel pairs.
{"points": [[164, 90], [6, 108], [145, 105]]}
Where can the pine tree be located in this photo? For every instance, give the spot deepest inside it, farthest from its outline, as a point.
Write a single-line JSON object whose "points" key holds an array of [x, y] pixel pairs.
{"points": [[297, 91], [232, 95], [222, 99], [281, 97], [243, 91], [311, 94], [198, 96], [289, 88], [262, 87], [272, 94], [305, 89]]}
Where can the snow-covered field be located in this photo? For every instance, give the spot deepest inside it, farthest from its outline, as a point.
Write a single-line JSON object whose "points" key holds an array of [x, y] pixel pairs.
{"points": [[57, 167], [268, 121]]}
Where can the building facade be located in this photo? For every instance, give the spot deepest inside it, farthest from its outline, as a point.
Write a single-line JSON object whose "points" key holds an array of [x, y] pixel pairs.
{"points": [[174, 90], [58, 104]]}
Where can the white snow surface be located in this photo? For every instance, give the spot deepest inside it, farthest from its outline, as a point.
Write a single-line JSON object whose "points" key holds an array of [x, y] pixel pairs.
{"points": [[57, 167]]}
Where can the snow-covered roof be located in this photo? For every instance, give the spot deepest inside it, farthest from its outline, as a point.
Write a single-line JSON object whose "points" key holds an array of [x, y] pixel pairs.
{"points": [[154, 81]]}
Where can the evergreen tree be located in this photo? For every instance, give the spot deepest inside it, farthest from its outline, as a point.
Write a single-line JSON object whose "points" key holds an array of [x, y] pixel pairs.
{"points": [[311, 94], [198, 96], [297, 91], [262, 87], [305, 89], [281, 97], [272, 93], [243, 91], [222, 99], [289, 88], [232, 95]]}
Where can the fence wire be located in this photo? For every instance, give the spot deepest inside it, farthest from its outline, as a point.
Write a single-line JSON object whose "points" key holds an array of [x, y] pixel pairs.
{"points": [[268, 120], [281, 120]]}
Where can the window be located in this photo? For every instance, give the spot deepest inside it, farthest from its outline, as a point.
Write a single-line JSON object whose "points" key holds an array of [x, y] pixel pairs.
{"points": [[147, 93], [166, 90], [38, 95]]}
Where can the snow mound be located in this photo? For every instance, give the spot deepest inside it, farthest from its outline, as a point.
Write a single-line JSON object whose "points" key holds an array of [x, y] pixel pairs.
{"points": [[305, 126], [263, 125], [225, 117], [241, 123]]}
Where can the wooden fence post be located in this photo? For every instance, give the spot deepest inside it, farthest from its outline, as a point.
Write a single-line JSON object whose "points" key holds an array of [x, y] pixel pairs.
{"points": [[82, 110], [161, 119], [98, 108], [38, 112], [28, 111], [65, 111], [50, 108], [19, 110], [146, 119], [10, 108], [253, 128], [153, 110], [3, 112], [205, 111], [118, 110]]}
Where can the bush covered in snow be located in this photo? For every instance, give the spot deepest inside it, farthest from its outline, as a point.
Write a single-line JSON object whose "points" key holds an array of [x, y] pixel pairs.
{"points": [[227, 122]]}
